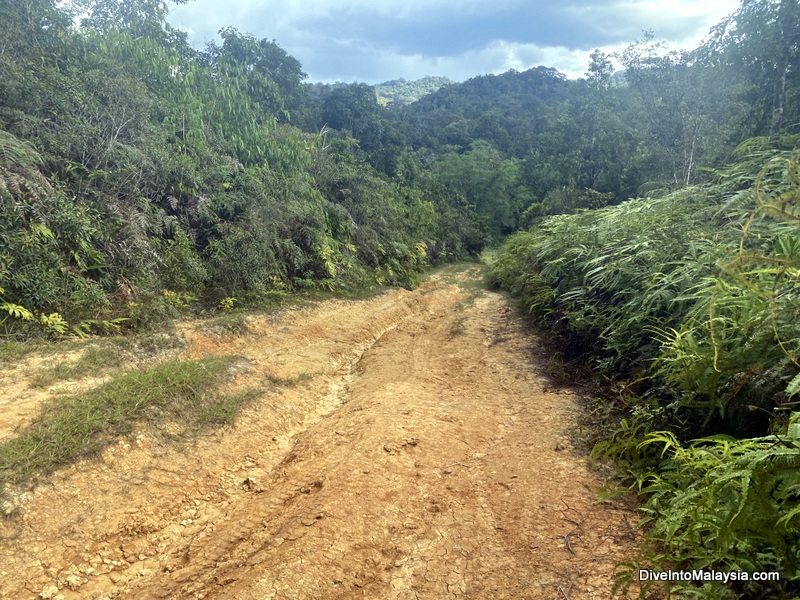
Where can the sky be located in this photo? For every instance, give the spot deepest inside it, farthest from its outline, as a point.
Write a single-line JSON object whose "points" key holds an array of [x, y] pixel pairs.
{"points": [[373, 41]]}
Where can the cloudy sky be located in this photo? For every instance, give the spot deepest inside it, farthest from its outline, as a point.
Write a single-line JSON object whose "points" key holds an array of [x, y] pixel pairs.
{"points": [[379, 40]]}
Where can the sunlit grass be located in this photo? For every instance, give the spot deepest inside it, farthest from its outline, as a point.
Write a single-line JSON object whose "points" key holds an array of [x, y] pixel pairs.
{"points": [[72, 427]]}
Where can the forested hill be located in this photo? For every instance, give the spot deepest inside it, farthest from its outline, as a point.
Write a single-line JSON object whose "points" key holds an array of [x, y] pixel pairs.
{"points": [[133, 166], [660, 123], [515, 112], [400, 92]]}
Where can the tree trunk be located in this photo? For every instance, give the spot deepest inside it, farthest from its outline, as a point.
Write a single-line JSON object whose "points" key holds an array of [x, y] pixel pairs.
{"points": [[778, 94], [787, 23]]}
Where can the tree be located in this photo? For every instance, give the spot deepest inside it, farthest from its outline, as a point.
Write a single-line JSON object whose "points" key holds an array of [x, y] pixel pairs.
{"points": [[274, 77], [139, 18], [760, 43], [600, 71], [354, 108], [30, 25], [670, 104], [489, 181]]}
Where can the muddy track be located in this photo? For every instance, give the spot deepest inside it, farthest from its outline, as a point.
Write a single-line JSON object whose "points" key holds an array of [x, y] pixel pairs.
{"points": [[404, 447]]}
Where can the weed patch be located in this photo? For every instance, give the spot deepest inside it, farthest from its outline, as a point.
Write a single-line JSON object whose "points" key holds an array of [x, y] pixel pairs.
{"points": [[11, 350], [147, 346], [457, 328], [289, 381], [95, 360], [73, 427]]}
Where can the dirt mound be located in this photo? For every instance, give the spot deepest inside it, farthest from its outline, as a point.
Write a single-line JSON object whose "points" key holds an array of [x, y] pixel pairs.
{"points": [[404, 447]]}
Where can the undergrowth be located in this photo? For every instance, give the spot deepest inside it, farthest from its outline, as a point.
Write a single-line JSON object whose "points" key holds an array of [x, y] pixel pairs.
{"points": [[688, 309], [718, 504]]}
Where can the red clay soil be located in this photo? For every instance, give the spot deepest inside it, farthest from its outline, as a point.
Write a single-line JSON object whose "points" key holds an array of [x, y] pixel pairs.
{"points": [[404, 447]]}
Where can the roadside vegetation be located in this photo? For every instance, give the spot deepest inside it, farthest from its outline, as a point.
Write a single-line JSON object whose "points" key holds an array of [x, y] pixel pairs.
{"points": [[140, 178], [686, 306]]}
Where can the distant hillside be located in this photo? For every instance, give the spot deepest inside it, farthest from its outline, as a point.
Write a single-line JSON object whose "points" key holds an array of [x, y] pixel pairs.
{"points": [[400, 92], [511, 111]]}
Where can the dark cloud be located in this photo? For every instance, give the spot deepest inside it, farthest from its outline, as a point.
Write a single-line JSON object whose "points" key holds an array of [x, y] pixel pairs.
{"points": [[454, 34], [368, 41]]}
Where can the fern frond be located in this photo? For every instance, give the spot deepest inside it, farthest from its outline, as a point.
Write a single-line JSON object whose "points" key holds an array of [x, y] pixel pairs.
{"points": [[19, 167], [794, 386], [18, 153]]}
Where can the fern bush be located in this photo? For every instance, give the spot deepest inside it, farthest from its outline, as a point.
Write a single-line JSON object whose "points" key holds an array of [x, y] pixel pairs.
{"points": [[720, 504], [694, 298], [738, 348], [608, 278]]}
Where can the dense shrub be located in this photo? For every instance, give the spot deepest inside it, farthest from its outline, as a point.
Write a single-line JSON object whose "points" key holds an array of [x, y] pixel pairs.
{"points": [[692, 301]]}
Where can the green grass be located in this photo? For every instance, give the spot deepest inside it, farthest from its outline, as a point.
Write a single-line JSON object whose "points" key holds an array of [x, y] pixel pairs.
{"points": [[95, 360], [104, 356], [96, 353], [11, 350], [73, 427]]}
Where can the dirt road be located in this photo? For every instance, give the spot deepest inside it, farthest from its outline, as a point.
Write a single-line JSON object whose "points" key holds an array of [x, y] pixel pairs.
{"points": [[405, 448]]}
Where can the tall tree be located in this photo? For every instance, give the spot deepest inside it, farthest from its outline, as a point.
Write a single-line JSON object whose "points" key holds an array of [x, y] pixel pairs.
{"points": [[139, 18], [760, 42], [31, 25], [274, 77], [670, 105]]}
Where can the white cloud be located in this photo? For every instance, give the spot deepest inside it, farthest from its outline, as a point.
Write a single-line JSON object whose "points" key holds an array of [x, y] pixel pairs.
{"points": [[372, 41], [497, 57]]}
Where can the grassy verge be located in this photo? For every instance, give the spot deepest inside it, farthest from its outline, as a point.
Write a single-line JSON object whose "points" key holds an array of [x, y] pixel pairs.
{"points": [[12, 350], [69, 428], [104, 356], [94, 361]]}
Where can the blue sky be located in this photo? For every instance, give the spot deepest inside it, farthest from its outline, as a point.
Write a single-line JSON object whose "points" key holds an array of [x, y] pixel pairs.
{"points": [[378, 40]]}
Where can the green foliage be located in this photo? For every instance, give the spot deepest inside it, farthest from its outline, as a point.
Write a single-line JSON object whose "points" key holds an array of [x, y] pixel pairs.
{"points": [[139, 176], [670, 110], [400, 92], [49, 253], [182, 268], [54, 324], [670, 293], [720, 504], [489, 181], [562, 201], [226, 304], [139, 18], [692, 300], [740, 344], [609, 277], [94, 361], [756, 49]]}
